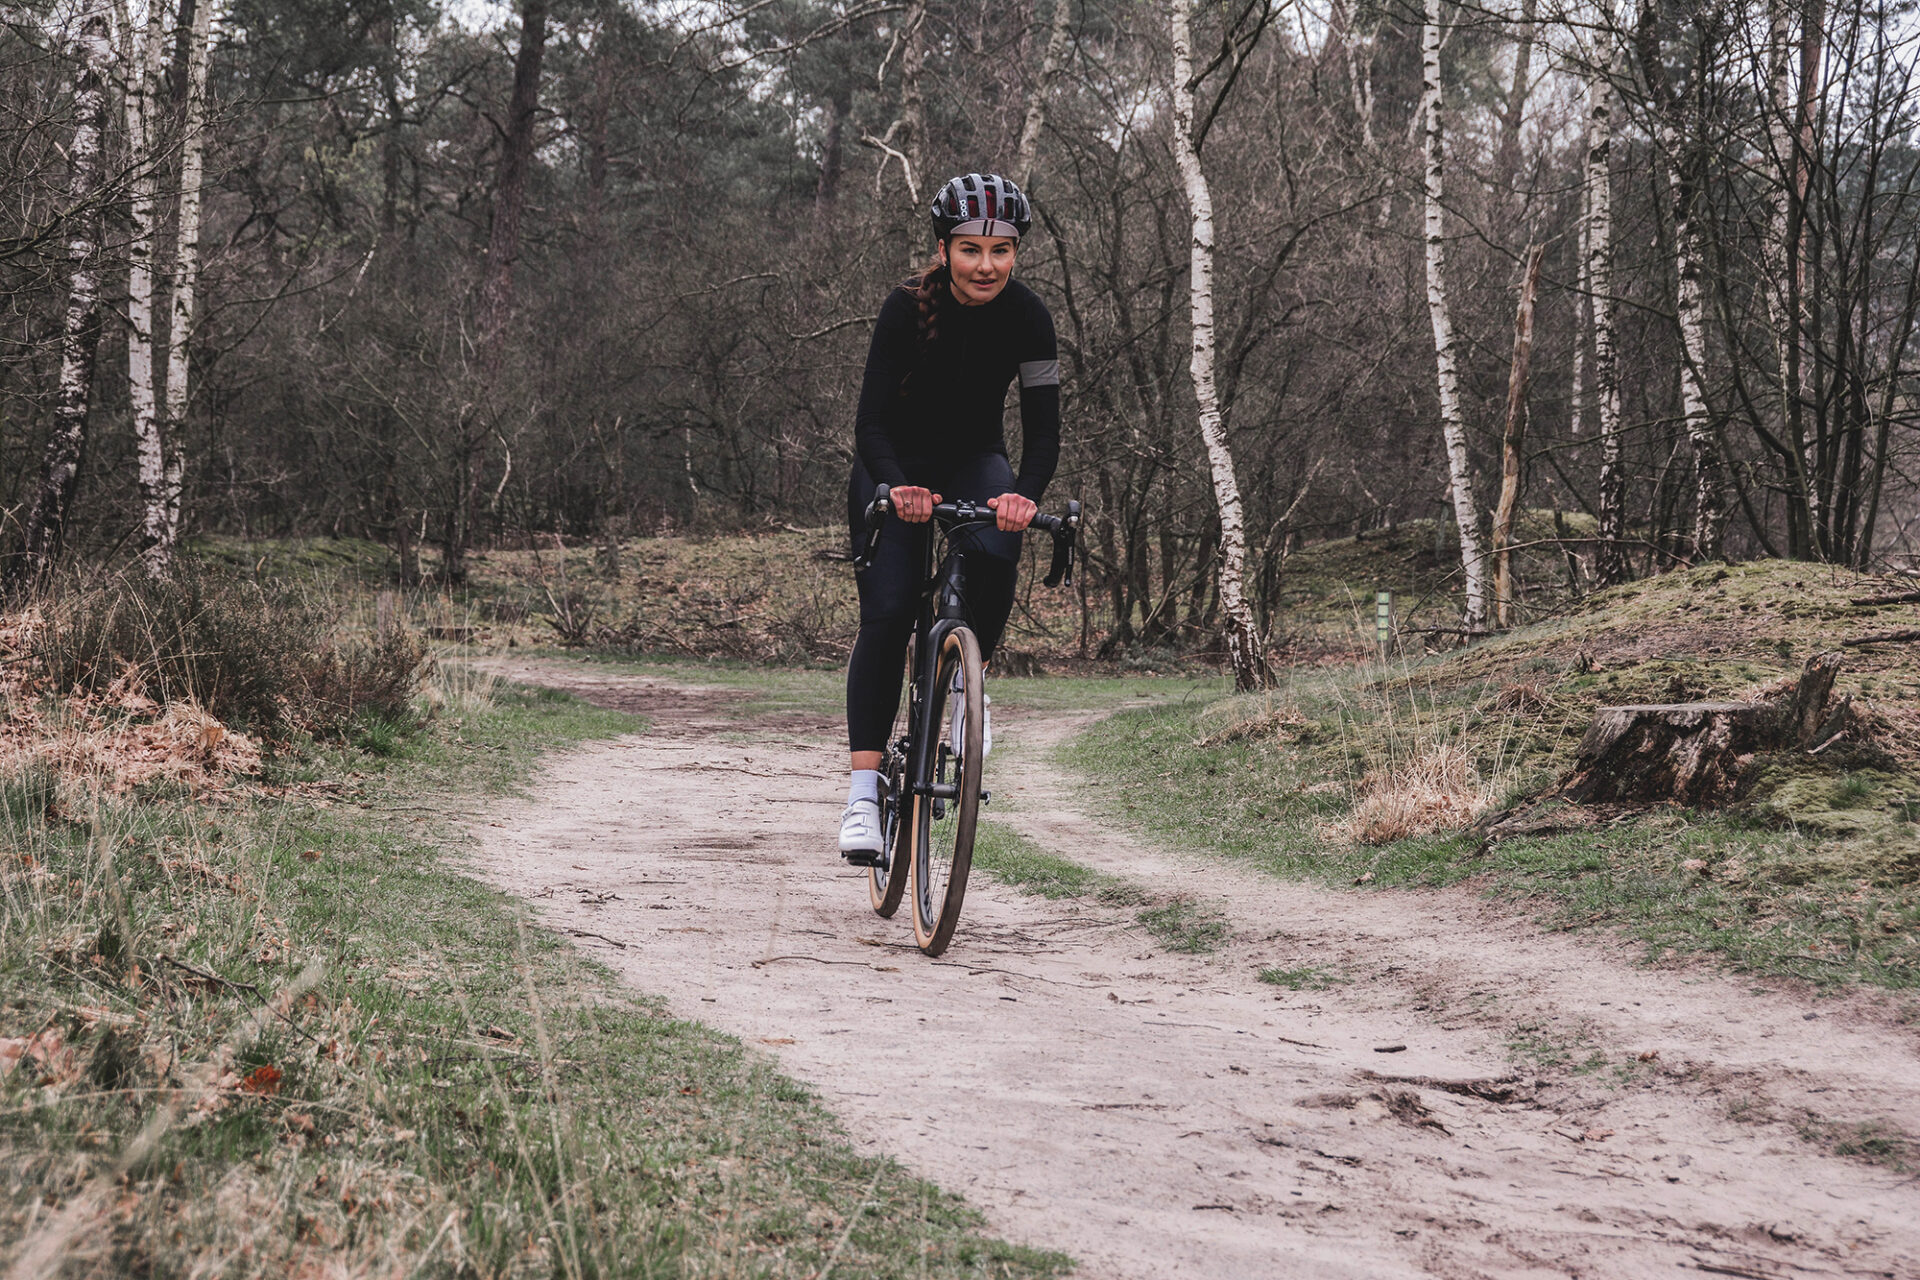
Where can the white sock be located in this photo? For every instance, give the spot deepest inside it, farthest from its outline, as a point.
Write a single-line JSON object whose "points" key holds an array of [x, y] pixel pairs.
{"points": [[864, 785]]}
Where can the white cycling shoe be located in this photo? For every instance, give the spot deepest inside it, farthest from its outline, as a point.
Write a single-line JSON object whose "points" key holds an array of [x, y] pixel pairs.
{"points": [[860, 840], [958, 738]]}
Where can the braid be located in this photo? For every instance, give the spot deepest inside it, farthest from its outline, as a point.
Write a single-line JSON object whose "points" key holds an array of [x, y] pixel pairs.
{"points": [[930, 290]]}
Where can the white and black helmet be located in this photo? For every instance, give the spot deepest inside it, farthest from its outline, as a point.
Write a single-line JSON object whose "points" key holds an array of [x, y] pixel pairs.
{"points": [[981, 204]]}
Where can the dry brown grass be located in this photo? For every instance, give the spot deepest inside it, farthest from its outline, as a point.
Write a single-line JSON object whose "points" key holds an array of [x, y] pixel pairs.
{"points": [[1439, 789]]}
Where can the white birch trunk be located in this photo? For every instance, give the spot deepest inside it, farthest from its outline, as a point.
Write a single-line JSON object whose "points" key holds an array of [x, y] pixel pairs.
{"points": [[1780, 142], [1050, 67], [45, 527], [186, 280], [1610, 561], [1689, 308], [1779, 259], [1244, 646], [1577, 389], [1452, 423], [140, 56], [1670, 141]]}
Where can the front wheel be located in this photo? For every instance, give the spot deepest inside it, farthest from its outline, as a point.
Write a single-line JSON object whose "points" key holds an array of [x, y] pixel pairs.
{"points": [[945, 808]]}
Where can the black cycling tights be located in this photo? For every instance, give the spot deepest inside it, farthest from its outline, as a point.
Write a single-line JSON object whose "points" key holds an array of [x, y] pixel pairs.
{"points": [[890, 589]]}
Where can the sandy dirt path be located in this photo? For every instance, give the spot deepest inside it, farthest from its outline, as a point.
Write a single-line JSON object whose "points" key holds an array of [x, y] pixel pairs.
{"points": [[1558, 1110]]}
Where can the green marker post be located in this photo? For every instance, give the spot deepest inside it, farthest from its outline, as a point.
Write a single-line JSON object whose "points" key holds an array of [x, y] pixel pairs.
{"points": [[1383, 621]]}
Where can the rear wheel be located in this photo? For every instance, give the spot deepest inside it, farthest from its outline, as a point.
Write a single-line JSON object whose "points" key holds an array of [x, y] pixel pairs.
{"points": [[942, 824], [887, 883]]}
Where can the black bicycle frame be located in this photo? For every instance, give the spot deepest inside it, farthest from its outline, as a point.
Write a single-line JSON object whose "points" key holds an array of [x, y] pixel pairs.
{"points": [[943, 607]]}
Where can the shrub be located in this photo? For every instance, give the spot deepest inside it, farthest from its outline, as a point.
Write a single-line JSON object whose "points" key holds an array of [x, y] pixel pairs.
{"points": [[263, 659]]}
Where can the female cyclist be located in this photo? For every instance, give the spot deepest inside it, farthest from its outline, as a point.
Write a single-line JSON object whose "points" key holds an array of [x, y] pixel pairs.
{"points": [[947, 344]]}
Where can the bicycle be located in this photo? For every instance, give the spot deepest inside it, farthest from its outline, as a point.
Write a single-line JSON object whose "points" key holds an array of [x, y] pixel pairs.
{"points": [[930, 793]]}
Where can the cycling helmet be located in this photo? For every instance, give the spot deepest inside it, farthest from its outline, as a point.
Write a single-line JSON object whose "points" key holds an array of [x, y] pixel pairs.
{"points": [[981, 204]]}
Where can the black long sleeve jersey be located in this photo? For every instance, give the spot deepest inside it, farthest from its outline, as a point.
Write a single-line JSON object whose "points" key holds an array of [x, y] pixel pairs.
{"points": [[954, 400]]}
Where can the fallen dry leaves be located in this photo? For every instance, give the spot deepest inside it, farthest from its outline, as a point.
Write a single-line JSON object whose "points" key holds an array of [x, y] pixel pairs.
{"points": [[114, 740]]}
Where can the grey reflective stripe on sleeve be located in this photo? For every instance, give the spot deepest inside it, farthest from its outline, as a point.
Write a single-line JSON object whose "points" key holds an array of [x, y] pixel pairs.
{"points": [[1040, 373]]}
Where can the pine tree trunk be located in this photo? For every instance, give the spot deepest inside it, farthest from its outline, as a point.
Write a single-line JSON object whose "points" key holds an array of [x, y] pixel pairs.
{"points": [[141, 58], [1610, 561], [1244, 646], [46, 523], [1050, 67], [1452, 423], [1513, 439], [496, 285], [163, 528]]}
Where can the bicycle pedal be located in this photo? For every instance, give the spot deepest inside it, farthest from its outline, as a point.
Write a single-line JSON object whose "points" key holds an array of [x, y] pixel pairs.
{"points": [[986, 797]]}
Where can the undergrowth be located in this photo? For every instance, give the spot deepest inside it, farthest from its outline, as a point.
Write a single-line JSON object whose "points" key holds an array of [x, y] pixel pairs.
{"points": [[274, 1032], [268, 658]]}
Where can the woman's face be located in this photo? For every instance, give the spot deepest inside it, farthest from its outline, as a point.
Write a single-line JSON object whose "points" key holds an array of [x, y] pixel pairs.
{"points": [[980, 266]]}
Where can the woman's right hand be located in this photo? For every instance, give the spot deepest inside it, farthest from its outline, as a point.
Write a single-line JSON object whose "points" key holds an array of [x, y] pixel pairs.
{"points": [[912, 503]]}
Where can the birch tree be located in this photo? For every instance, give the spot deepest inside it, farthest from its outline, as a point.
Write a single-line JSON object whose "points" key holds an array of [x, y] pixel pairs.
{"points": [[1452, 422], [1610, 560], [46, 522], [1245, 648], [162, 528], [1670, 142], [140, 59]]}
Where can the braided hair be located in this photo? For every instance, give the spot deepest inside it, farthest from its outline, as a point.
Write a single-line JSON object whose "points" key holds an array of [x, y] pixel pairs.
{"points": [[932, 292]]}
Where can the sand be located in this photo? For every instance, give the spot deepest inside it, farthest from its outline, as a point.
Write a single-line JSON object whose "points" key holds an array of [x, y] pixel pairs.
{"points": [[1553, 1106]]}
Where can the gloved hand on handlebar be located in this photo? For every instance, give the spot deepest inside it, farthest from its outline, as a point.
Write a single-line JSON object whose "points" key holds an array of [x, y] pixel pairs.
{"points": [[1013, 511]]}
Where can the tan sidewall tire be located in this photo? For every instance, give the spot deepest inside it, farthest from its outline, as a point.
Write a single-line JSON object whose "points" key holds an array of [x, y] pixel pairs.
{"points": [[885, 898], [933, 937]]}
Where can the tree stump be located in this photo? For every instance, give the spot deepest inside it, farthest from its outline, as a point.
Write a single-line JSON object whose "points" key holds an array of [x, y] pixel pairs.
{"points": [[1686, 751], [1692, 752]]}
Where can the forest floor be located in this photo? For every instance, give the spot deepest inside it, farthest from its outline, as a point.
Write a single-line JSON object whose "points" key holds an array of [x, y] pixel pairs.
{"points": [[1167, 1063]]}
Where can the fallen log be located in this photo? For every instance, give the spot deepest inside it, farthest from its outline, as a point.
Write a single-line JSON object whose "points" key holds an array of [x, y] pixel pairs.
{"points": [[1897, 597], [1885, 637]]}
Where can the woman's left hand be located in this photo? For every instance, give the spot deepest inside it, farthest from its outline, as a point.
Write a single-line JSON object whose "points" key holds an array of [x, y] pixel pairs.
{"points": [[1014, 511]]}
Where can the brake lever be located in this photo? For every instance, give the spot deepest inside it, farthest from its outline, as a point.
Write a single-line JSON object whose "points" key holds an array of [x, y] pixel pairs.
{"points": [[877, 512], [1060, 572]]}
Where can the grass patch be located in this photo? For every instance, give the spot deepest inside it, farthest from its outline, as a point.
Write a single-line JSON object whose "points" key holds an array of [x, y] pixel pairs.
{"points": [[1815, 873], [1177, 923], [1014, 860], [375, 1061], [1182, 924], [1304, 978], [1871, 1141]]}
